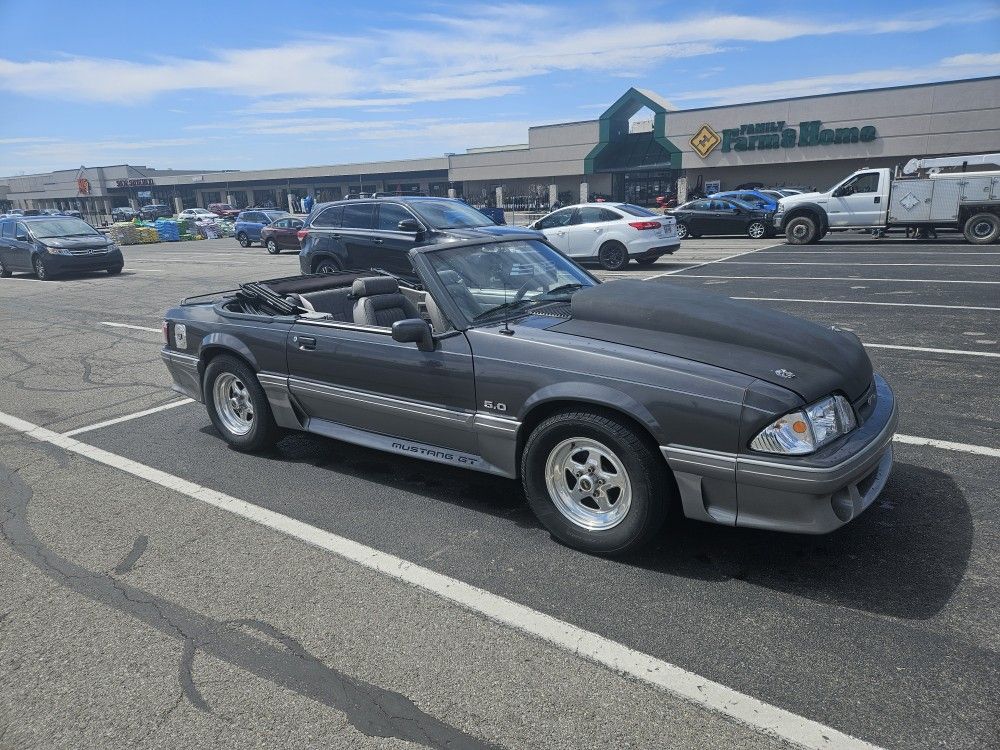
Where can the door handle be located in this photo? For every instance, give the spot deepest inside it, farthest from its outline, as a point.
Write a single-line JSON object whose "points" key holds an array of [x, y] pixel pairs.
{"points": [[305, 343], [377, 241], [878, 198]]}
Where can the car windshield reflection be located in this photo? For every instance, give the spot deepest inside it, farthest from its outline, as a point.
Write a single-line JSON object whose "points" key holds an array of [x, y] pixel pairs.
{"points": [[488, 281]]}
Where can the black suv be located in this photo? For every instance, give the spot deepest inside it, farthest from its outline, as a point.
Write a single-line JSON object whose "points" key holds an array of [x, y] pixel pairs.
{"points": [[378, 233]]}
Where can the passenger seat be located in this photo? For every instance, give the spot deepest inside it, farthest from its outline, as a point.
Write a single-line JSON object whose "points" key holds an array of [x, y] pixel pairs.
{"points": [[378, 302]]}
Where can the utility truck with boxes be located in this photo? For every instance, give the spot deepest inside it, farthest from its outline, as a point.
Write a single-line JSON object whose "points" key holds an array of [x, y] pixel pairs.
{"points": [[948, 192]]}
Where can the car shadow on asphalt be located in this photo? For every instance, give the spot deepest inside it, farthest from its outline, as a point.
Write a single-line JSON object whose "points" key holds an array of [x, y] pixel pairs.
{"points": [[903, 557]]}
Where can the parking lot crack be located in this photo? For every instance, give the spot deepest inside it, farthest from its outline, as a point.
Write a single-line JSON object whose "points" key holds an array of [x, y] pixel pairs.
{"points": [[371, 710]]}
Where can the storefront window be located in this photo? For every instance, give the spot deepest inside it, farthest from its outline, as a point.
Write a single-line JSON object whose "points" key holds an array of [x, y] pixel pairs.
{"points": [[265, 199], [327, 194], [210, 197], [239, 198]]}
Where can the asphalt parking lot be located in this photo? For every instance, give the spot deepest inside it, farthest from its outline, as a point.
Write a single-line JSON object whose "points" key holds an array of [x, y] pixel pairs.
{"points": [[133, 615]]}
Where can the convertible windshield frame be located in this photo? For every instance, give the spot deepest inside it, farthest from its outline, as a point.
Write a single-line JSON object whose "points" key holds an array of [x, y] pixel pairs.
{"points": [[423, 262]]}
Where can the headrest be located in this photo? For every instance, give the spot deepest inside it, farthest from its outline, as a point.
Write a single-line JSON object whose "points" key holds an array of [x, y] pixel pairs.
{"points": [[370, 285]]}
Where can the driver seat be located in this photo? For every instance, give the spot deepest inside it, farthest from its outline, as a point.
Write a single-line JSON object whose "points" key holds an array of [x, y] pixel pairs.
{"points": [[378, 302]]}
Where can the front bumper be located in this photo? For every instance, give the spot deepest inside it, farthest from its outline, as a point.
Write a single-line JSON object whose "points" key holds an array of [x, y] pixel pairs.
{"points": [[808, 495], [184, 372], [99, 261]]}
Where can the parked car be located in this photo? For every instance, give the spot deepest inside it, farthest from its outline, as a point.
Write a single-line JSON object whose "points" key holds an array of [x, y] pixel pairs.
{"points": [[721, 216], [197, 214], [379, 232], [610, 233], [613, 403], [282, 234], [753, 197], [48, 246], [224, 210], [154, 211], [123, 213], [250, 222]]}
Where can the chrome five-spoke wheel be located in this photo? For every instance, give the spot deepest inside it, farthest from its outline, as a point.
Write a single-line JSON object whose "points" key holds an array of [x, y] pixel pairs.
{"points": [[233, 404], [588, 483]]}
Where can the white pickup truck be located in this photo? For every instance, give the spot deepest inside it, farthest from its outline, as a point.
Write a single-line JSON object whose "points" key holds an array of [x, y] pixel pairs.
{"points": [[921, 195]]}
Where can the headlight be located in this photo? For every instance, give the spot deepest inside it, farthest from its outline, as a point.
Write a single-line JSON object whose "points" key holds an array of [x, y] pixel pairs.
{"points": [[808, 429], [56, 250]]}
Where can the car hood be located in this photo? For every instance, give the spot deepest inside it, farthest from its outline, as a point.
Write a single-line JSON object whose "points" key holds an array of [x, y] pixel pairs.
{"points": [[791, 200], [490, 230], [75, 243], [716, 330]]}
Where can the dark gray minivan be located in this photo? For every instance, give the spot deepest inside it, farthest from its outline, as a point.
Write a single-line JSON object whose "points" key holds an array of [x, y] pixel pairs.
{"points": [[48, 246]]}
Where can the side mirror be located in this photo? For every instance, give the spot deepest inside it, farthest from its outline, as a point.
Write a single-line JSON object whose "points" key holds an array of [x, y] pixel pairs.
{"points": [[408, 225], [413, 331], [534, 224], [21, 237]]}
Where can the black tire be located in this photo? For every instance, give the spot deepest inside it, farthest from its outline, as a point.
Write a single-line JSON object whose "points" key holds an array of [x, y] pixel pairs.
{"points": [[646, 262], [682, 230], [262, 432], [5, 273], [41, 271], [652, 490], [272, 247], [613, 256], [327, 265], [982, 229], [115, 271], [243, 240], [801, 230], [756, 230]]}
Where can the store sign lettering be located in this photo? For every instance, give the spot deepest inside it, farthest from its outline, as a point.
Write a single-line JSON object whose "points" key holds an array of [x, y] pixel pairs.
{"points": [[766, 135], [135, 182]]}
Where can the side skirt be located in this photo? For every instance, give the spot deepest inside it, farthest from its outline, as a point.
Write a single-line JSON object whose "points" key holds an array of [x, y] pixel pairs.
{"points": [[401, 446]]}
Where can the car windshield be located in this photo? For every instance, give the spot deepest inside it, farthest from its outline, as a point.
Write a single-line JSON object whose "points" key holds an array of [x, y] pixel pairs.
{"points": [[450, 214], [491, 280], [68, 227]]}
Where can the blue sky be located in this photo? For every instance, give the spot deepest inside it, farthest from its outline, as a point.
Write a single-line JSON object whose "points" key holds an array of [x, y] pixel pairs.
{"points": [[247, 85]]}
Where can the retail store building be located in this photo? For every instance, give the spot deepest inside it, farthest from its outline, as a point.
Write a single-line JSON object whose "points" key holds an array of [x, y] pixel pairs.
{"points": [[639, 148]]}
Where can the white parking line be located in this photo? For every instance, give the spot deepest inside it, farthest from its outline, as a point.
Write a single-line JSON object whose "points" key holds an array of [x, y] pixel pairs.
{"points": [[709, 262], [930, 350], [689, 686], [128, 417], [129, 325], [979, 450], [826, 251], [862, 302], [824, 278], [853, 264]]}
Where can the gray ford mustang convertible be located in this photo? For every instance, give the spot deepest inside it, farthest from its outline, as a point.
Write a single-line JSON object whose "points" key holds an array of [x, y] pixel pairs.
{"points": [[612, 403]]}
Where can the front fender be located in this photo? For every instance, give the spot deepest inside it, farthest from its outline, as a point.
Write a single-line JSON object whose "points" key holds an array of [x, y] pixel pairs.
{"points": [[596, 394], [806, 209]]}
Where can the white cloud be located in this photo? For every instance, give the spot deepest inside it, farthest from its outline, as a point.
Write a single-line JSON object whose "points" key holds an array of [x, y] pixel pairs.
{"points": [[961, 65], [484, 51]]}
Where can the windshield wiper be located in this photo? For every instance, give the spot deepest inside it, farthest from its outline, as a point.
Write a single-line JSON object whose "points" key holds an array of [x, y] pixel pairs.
{"points": [[562, 288], [504, 306]]}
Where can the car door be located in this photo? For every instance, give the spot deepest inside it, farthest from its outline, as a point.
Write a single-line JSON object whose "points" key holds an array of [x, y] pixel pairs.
{"points": [[289, 236], [857, 202], [727, 217], [6, 237], [19, 249], [349, 377], [357, 234], [390, 245], [697, 216], [587, 232], [555, 227]]}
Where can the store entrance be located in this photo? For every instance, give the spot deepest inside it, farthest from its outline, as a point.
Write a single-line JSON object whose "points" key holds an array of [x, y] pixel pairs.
{"points": [[643, 188]]}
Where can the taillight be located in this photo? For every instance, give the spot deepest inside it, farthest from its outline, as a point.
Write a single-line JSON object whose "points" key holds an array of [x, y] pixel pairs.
{"points": [[166, 332], [644, 224], [302, 234]]}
